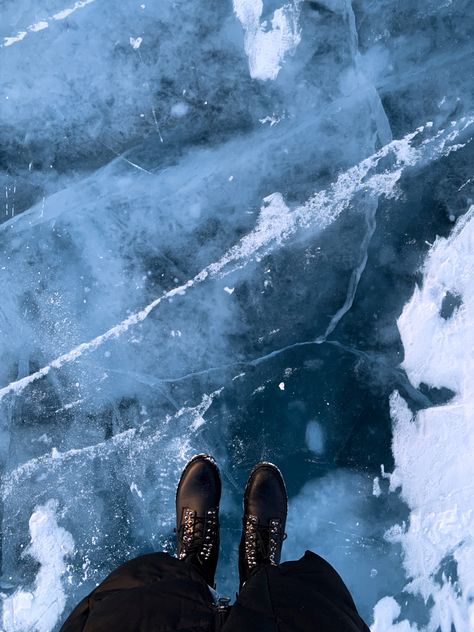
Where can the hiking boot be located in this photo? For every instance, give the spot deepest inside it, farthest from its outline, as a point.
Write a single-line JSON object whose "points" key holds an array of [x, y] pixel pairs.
{"points": [[197, 515], [265, 509]]}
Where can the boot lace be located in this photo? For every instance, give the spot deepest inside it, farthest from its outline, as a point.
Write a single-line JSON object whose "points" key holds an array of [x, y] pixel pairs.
{"points": [[197, 534], [262, 543]]}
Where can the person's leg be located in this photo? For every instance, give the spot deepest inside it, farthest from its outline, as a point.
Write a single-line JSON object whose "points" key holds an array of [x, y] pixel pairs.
{"points": [[151, 592], [157, 591], [294, 596], [300, 596]]}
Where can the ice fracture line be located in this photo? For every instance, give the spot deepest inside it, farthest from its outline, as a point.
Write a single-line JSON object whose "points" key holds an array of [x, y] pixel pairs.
{"points": [[276, 223], [132, 442]]}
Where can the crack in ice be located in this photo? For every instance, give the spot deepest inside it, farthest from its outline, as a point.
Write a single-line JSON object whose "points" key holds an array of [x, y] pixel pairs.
{"points": [[130, 439], [355, 277], [276, 223]]}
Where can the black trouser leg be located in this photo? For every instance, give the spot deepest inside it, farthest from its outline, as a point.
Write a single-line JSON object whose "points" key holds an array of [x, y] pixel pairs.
{"points": [[301, 596], [152, 592]]}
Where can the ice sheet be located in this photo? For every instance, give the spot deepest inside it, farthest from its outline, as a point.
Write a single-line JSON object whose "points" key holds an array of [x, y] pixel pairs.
{"points": [[213, 219]]}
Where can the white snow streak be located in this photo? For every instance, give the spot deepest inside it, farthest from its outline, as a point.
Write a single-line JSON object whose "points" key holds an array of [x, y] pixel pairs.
{"points": [[276, 223], [65, 13], [44, 24]]}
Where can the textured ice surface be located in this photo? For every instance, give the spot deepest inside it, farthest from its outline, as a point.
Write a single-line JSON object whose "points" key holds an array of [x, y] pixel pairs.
{"points": [[239, 228]]}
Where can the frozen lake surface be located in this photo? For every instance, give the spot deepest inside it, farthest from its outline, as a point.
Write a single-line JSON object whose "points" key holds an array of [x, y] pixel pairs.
{"points": [[244, 228]]}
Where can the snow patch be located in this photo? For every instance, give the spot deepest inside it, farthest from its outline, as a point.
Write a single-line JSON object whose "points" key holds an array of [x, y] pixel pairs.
{"points": [[385, 612], [8, 41], [65, 13], [273, 120], [136, 42], [433, 448], [376, 491], [39, 26], [134, 488], [39, 609], [266, 47]]}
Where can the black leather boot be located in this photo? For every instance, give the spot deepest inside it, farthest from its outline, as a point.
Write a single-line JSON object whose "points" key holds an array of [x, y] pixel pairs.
{"points": [[197, 515], [265, 510]]}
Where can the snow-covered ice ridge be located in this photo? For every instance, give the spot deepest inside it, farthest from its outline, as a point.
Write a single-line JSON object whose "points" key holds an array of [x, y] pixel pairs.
{"points": [[433, 449]]}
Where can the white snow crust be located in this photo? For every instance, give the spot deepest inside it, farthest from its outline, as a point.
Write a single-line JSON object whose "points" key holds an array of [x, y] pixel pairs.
{"points": [[267, 47], [40, 607], [433, 449]]}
